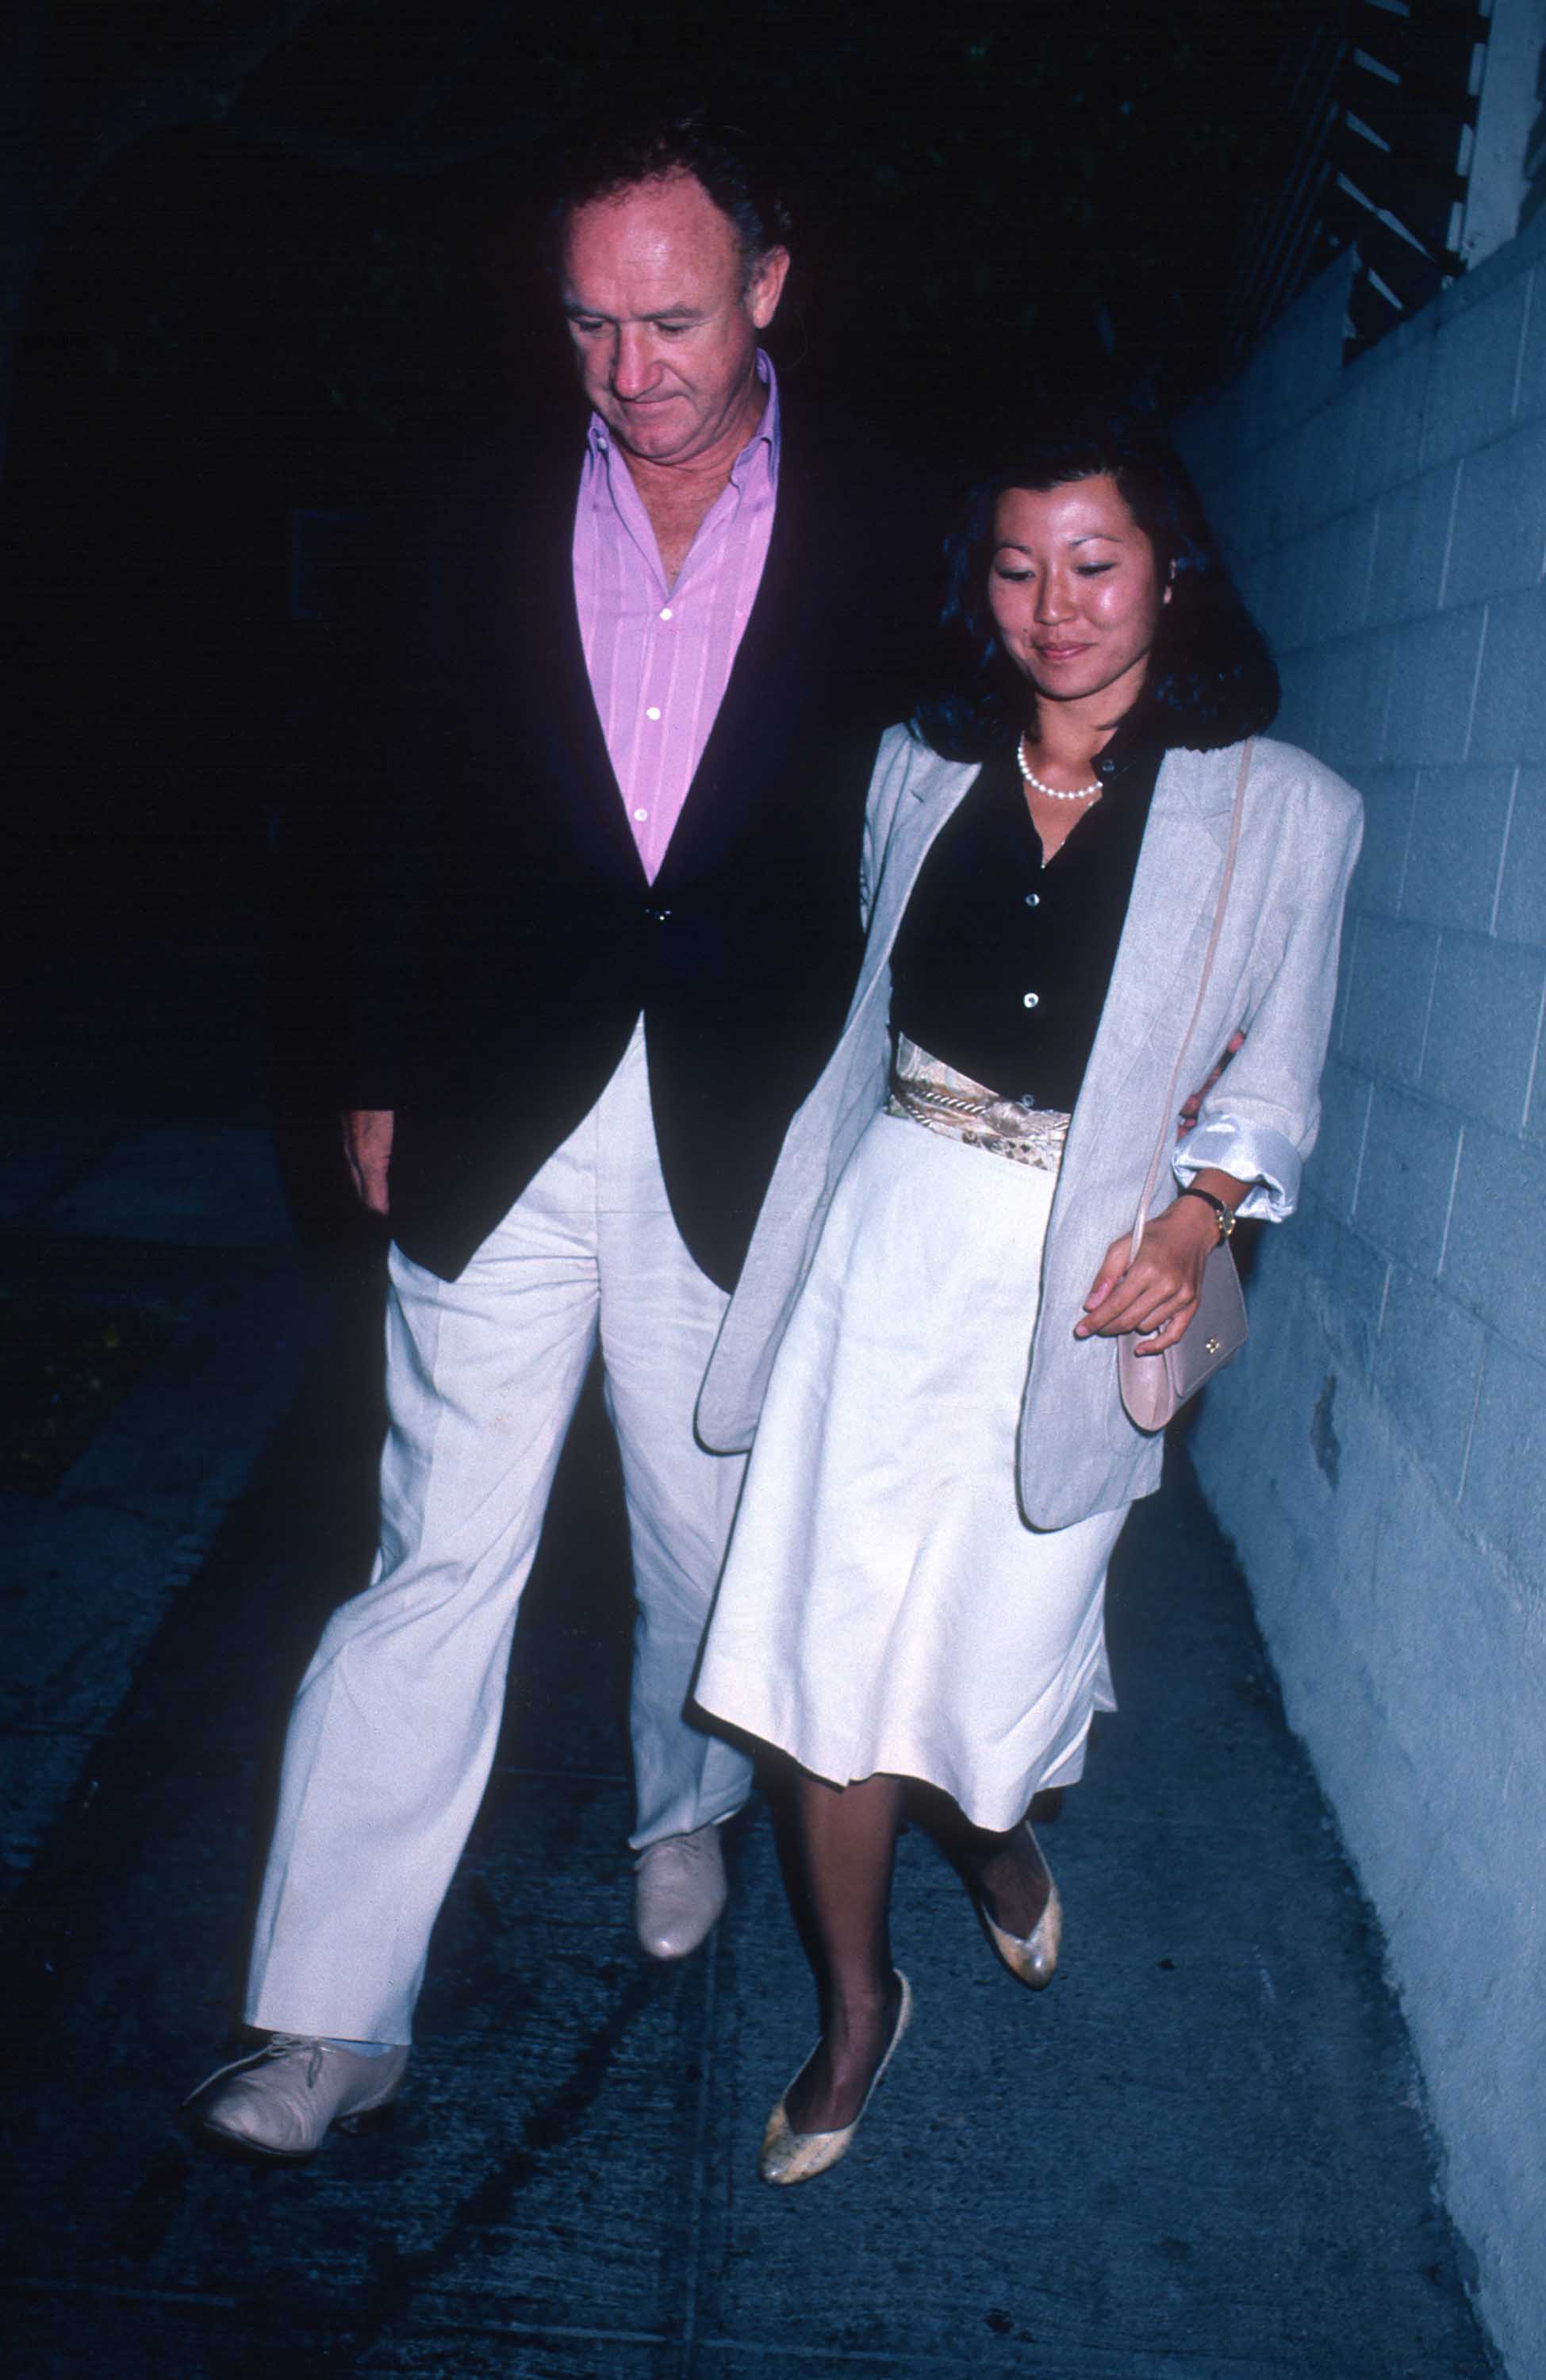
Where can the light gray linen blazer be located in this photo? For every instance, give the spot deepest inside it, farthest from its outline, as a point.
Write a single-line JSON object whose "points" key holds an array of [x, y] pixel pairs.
{"points": [[1276, 975]]}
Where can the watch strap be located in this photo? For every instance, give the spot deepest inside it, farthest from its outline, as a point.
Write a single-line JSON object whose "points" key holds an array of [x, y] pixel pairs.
{"points": [[1224, 1215]]}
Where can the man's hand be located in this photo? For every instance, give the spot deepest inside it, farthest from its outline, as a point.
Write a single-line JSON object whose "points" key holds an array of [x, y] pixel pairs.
{"points": [[1190, 1108], [368, 1147]]}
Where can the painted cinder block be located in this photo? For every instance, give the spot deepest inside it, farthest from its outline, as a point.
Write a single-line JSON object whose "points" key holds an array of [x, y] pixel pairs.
{"points": [[1333, 1170], [1249, 393], [1259, 583], [1219, 481], [1414, 1671], [1393, 392], [1389, 796], [1390, 979], [1529, 401], [1492, 1261], [1433, 683], [1499, 539], [1427, 1365], [1521, 913], [1283, 486], [1508, 723], [1297, 367], [1336, 574], [1459, 820], [1341, 1497], [1412, 547], [1408, 1176], [1316, 326], [1247, 537], [1287, 392], [1355, 1273], [1356, 679], [1484, 1027], [1327, 460], [1207, 437], [1276, 596], [1475, 367], [1514, 261], [1505, 1477], [1303, 677], [1298, 585]]}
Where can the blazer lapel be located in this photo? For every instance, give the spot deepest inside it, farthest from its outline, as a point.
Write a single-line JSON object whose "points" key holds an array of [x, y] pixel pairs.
{"points": [[521, 622], [1170, 912], [807, 674], [745, 758], [934, 790]]}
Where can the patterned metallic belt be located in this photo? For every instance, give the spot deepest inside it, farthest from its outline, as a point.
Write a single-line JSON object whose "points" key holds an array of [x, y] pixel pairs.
{"points": [[924, 1091]]}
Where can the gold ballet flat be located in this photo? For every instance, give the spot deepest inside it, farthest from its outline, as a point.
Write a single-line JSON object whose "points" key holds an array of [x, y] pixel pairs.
{"points": [[788, 2156], [1031, 1956]]}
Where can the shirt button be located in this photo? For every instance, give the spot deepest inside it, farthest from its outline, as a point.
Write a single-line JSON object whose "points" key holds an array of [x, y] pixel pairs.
{"points": [[1032, 1000], [667, 612], [1032, 899], [640, 815], [653, 712]]}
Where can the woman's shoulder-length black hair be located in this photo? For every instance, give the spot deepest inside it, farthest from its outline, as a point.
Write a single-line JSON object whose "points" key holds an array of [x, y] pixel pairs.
{"points": [[1210, 678]]}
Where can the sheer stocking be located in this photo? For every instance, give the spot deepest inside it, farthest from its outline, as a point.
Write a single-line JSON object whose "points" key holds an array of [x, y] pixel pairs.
{"points": [[1010, 1874], [847, 1837]]}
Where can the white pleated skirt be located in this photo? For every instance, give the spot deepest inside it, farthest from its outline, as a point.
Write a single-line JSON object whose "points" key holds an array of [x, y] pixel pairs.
{"points": [[885, 1607]]}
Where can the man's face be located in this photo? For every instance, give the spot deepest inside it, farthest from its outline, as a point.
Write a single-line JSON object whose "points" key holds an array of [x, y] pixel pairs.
{"points": [[664, 321]]}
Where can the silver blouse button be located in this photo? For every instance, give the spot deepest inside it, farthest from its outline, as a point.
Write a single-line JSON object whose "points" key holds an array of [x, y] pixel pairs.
{"points": [[1032, 899], [1033, 1000]]}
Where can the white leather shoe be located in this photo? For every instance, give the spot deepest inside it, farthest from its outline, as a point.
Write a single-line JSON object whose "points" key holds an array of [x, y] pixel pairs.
{"points": [[283, 2099], [679, 1892]]}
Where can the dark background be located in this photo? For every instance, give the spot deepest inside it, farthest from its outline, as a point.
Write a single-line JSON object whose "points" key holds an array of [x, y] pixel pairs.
{"points": [[258, 255]]}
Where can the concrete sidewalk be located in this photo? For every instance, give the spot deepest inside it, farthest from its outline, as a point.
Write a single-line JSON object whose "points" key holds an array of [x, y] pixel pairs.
{"points": [[1201, 2152], [184, 1228]]}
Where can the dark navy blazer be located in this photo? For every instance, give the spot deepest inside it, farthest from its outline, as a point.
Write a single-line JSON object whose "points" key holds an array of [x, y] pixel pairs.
{"points": [[506, 937]]}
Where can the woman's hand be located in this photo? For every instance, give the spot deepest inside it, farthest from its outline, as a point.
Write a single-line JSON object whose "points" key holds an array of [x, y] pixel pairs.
{"points": [[368, 1149], [1158, 1290]]}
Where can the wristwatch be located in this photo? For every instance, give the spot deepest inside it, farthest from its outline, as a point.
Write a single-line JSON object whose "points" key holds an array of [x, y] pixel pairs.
{"points": [[1225, 1215]]}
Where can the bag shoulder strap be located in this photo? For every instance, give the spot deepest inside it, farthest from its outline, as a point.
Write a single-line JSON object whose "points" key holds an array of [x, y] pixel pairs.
{"points": [[1224, 882]]}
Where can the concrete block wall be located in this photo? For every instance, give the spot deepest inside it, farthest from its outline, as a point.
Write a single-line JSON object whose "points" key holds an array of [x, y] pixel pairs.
{"points": [[1379, 1456]]}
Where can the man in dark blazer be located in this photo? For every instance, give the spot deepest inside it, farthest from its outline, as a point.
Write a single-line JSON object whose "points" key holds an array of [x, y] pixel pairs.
{"points": [[615, 777]]}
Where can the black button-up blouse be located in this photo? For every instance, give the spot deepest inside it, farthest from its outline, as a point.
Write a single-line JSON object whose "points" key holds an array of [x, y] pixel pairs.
{"points": [[1001, 965]]}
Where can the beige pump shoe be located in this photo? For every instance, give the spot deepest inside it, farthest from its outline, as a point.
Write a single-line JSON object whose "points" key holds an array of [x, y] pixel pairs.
{"points": [[1033, 1956], [788, 2156]]}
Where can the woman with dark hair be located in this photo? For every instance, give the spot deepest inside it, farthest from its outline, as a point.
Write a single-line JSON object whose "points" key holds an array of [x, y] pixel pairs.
{"points": [[929, 1317]]}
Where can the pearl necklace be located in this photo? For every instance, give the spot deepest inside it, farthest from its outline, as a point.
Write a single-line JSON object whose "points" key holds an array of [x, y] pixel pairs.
{"points": [[1053, 793]]}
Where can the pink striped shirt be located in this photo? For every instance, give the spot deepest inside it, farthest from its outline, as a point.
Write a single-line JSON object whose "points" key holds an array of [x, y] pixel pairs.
{"points": [[659, 658]]}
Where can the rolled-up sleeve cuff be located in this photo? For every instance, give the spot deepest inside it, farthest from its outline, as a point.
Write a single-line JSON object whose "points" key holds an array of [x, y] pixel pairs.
{"points": [[1252, 1152]]}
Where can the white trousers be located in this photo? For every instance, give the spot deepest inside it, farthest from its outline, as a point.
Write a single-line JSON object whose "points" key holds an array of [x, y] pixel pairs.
{"points": [[394, 1730]]}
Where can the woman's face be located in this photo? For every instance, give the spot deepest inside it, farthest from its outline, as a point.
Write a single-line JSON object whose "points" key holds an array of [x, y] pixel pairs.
{"points": [[1075, 592]]}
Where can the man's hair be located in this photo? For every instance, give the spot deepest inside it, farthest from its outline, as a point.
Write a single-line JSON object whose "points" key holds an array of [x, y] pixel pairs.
{"points": [[730, 164], [1210, 678]]}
